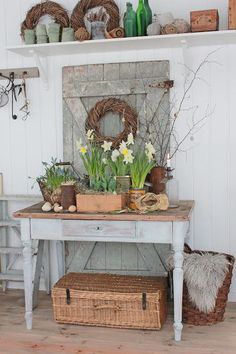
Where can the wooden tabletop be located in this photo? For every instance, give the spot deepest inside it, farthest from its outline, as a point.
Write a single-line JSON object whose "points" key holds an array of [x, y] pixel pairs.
{"points": [[182, 213]]}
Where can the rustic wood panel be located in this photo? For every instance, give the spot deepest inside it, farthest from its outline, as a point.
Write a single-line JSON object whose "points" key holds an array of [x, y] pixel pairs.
{"points": [[83, 87]]}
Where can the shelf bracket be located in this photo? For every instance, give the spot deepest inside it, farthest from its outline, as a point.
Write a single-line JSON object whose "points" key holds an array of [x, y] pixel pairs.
{"points": [[43, 69]]}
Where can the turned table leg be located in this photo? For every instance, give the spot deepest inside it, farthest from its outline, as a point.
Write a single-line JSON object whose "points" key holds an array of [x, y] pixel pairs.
{"points": [[28, 272], [179, 234]]}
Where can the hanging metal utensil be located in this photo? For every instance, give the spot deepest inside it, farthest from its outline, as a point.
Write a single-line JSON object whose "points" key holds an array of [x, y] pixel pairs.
{"points": [[3, 96]]}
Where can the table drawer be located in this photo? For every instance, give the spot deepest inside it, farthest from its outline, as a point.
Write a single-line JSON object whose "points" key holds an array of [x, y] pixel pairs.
{"points": [[99, 228]]}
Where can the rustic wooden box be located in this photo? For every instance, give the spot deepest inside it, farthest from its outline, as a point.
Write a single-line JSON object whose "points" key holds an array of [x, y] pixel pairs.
{"points": [[110, 300], [97, 203], [203, 21]]}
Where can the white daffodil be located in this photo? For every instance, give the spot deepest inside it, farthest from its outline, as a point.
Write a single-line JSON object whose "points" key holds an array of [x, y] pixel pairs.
{"points": [[129, 158], [107, 146], [123, 145], [90, 135], [83, 150], [130, 139], [114, 155], [150, 148], [149, 156], [104, 160], [78, 144]]}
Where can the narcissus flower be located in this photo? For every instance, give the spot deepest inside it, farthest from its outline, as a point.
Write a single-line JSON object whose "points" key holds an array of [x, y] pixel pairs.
{"points": [[128, 158], [114, 155], [83, 150], [90, 135], [149, 149], [107, 146], [78, 144], [130, 139]]}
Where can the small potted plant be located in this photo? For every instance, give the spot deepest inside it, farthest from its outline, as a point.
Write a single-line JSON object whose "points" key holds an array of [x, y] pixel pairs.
{"points": [[101, 196], [142, 164], [50, 182]]}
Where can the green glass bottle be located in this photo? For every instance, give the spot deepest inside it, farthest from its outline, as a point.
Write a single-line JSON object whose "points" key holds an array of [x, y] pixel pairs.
{"points": [[130, 22], [141, 23], [148, 13]]}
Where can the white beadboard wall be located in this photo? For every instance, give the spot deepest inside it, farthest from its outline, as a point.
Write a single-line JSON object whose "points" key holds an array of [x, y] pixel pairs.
{"points": [[206, 168]]}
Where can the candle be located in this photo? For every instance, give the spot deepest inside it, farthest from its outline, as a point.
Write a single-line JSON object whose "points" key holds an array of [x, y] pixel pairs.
{"points": [[168, 161], [1, 184]]}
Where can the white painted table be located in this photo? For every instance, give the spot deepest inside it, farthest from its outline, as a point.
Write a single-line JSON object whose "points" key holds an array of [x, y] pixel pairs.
{"points": [[168, 227]]}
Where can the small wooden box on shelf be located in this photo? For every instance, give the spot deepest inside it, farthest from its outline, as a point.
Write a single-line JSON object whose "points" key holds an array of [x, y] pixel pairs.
{"points": [[203, 21]]}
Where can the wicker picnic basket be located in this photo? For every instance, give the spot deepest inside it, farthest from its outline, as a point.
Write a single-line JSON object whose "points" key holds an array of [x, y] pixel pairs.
{"points": [[110, 300], [192, 315]]}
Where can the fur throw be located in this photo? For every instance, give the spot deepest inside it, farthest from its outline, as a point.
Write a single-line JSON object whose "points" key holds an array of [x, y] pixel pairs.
{"points": [[204, 274]]}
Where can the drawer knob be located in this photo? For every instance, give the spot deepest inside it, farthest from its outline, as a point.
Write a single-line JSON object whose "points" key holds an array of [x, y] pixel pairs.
{"points": [[98, 228]]}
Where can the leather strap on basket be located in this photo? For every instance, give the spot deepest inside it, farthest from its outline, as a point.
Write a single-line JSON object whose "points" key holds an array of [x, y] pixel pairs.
{"points": [[68, 299]]}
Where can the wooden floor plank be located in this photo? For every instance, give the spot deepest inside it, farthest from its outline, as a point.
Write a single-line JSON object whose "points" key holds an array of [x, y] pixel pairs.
{"points": [[48, 337]]}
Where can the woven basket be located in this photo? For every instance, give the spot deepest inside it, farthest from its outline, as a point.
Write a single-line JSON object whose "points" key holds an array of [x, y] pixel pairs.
{"points": [[192, 315], [110, 300]]}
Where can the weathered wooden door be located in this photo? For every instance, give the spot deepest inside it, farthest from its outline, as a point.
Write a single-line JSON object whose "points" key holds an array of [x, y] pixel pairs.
{"points": [[139, 85]]}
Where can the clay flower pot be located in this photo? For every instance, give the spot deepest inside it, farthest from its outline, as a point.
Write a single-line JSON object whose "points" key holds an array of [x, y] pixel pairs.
{"points": [[157, 176]]}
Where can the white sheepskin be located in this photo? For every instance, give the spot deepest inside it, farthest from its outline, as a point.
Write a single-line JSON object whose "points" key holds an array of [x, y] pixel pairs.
{"points": [[204, 275]]}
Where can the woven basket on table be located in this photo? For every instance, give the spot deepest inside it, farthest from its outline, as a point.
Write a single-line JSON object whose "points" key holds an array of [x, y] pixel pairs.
{"points": [[191, 314]]}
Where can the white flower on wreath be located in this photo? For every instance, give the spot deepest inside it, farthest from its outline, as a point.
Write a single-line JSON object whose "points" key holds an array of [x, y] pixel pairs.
{"points": [[150, 150], [107, 146], [130, 139], [90, 134], [114, 155]]}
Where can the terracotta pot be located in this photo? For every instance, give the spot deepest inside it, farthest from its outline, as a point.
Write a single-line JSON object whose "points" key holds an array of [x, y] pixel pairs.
{"points": [[134, 194], [157, 175], [100, 203]]}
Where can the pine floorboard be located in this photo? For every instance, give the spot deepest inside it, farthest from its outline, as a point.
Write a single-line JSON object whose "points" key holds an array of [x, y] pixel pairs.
{"points": [[48, 337]]}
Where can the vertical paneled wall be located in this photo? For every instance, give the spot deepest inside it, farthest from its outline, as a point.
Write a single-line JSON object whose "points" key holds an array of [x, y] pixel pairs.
{"points": [[206, 168]]}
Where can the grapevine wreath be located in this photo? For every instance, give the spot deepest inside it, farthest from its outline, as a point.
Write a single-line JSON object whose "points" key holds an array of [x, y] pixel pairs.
{"points": [[115, 105], [51, 8], [79, 12]]}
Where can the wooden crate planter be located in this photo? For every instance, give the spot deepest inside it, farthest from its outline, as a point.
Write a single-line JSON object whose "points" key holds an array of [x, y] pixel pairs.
{"points": [[110, 300], [203, 21], [96, 203], [232, 14]]}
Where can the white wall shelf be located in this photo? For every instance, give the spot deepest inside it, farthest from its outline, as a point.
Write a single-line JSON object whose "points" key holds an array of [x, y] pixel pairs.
{"points": [[123, 44], [184, 41]]}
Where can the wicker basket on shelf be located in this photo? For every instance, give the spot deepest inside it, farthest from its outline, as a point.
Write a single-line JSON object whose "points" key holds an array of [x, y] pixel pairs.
{"points": [[191, 314]]}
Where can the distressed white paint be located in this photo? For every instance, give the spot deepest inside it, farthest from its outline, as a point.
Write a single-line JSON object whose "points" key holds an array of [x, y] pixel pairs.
{"points": [[206, 170]]}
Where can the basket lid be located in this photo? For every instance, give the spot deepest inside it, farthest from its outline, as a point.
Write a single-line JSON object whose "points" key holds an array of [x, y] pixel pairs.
{"points": [[111, 283]]}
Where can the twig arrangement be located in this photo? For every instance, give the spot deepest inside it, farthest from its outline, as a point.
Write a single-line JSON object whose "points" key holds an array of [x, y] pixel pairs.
{"points": [[127, 114], [161, 127], [51, 8]]}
